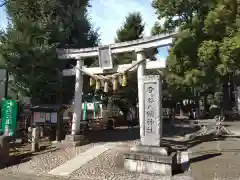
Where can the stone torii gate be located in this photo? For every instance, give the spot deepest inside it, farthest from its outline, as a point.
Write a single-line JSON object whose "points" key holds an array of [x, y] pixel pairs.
{"points": [[106, 66]]}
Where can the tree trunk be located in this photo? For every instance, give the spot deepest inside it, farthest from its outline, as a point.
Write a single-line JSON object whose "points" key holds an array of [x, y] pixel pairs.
{"points": [[226, 104], [205, 102]]}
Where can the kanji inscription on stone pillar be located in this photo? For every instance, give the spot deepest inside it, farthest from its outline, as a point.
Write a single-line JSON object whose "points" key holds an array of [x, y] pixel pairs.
{"points": [[152, 111]]}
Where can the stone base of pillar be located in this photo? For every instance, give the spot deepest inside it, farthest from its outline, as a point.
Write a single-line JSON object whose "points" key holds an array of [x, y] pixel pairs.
{"points": [[73, 141], [152, 160]]}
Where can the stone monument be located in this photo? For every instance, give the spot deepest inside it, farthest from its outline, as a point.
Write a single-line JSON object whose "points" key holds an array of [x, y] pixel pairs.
{"points": [[149, 156], [35, 139]]}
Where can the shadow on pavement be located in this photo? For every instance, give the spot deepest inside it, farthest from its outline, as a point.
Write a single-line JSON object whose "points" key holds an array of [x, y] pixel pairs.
{"points": [[22, 156], [118, 134], [16, 159], [172, 131], [204, 157], [129, 134], [169, 136], [184, 145]]}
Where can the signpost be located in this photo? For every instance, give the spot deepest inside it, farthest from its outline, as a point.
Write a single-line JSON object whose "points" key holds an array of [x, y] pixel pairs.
{"points": [[9, 117]]}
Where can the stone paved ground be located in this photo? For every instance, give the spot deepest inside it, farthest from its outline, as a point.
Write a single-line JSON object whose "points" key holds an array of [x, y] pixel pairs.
{"points": [[24, 176], [109, 166], [209, 160], [217, 159], [212, 159], [43, 162]]}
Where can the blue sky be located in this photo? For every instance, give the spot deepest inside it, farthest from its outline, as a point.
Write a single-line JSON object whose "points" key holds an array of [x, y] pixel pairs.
{"points": [[109, 15]]}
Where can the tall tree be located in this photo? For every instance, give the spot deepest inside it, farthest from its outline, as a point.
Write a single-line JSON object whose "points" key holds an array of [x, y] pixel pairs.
{"points": [[29, 44], [205, 54], [132, 29]]}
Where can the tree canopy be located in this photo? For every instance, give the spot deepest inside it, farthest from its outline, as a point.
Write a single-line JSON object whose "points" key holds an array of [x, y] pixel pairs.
{"points": [[205, 53], [29, 44], [132, 29]]}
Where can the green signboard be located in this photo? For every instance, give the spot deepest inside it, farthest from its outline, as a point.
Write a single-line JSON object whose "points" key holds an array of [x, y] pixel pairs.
{"points": [[85, 111], [9, 117]]}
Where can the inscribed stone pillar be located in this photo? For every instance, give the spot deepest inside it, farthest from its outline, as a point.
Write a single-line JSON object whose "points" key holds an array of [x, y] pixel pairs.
{"points": [[152, 126]]}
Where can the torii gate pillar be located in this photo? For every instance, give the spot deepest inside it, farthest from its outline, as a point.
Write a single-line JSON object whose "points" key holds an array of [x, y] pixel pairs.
{"points": [[76, 138], [77, 98], [140, 75]]}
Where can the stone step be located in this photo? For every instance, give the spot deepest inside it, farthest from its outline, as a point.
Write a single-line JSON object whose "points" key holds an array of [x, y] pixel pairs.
{"points": [[150, 149], [151, 157]]}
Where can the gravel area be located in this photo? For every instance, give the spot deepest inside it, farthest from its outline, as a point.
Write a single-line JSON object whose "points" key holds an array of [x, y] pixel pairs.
{"points": [[47, 160], [109, 166], [28, 176], [217, 159], [214, 159], [43, 162], [24, 176]]}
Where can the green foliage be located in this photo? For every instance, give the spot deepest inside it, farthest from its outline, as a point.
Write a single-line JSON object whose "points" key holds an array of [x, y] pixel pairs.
{"points": [[29, 44], [132, 29], [2, 62], [215, 99], [157, 29], [206, 50]]}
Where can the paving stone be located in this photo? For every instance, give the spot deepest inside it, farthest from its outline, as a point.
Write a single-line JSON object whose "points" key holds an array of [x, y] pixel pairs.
{"points": [[216, 160], [108, 165], [45, 161], [212, 159]]}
